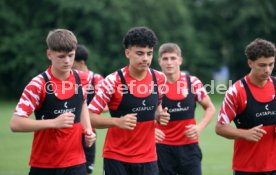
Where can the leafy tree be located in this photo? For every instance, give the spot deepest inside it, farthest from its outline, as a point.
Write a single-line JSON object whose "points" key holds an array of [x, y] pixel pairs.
{"points": [[211, 33]]}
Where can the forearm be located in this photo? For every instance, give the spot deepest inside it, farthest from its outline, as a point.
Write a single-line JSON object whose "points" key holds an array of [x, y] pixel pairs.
{"points": [[207, 117], [228, 131], [85, 119], [22, 124], [158, 111], [102, 122]]}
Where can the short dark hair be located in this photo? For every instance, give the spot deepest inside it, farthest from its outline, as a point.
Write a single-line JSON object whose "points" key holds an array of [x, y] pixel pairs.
{"points": [[259, 48], [81, 53], [61, 40], [140, 36]]}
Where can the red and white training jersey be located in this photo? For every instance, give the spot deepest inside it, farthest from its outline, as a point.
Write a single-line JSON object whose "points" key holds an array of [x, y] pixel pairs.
{"points": [[97, 79], [235, 99], [177, 91], [250, 156], [31, 100], [139, 144]]}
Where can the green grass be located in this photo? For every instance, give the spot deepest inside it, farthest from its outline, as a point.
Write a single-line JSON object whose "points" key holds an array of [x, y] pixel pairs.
{"points": [[217, 151], [15, 147]]}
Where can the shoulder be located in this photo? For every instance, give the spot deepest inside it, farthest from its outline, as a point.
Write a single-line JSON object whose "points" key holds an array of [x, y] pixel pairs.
{"points": [[195, 81], [160, 76], [85, 77], [98, 76], [38, 83], [112, 77], [111, 80], [235, 89], [34, 90]]}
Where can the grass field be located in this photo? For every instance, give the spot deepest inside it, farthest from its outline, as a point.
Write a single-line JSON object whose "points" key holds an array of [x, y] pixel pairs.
{"points": [[15, 147]]}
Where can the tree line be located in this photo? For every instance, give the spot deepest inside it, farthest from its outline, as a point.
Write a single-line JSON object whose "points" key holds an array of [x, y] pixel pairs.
{"points": [[211, 33]]}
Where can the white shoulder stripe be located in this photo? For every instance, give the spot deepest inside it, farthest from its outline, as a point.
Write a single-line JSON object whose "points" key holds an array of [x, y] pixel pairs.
{"points": [[20, 112], [27, 102], [225, 118]]}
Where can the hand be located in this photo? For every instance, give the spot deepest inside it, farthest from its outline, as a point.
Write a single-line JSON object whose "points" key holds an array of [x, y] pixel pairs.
{"points": [[128, 121], [65, 120], [192, 132], [254, 134], [159, 135], [164, 117], [90, 138]]}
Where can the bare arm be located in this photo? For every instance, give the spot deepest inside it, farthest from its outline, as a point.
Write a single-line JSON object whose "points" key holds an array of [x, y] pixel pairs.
{"points": [[85, 120], [127, 121], [24, 124], [209, 112], [194, 131], [230, 132], [90, 137]]}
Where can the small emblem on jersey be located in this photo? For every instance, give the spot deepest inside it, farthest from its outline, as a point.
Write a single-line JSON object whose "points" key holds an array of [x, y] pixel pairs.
{"points": [[179, 104], [144, 102], [266, 107], [42, 117], [184, 92], [65, 105]]}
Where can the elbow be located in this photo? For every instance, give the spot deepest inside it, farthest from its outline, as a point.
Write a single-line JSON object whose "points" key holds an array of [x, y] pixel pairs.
{"points": [[213, 110], [218, 129], [14, 127]]}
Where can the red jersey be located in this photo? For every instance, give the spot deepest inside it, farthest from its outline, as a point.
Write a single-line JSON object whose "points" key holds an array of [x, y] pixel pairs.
{"points": [[93, 86], [178, 91], [138, 145], [51, 147], [250, 156], [95, 80]]}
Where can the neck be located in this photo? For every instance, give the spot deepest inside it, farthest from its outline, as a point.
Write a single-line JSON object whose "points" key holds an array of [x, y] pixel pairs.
{"points": [[255, 81], [171, 78], [139, 75], [60, 75], [83, 68]]}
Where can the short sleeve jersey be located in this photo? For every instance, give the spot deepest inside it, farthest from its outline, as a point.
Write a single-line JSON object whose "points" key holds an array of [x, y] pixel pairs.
{"points": [[93, 85], [138, 145], [251, 156], [53, 148], [178, 94]]}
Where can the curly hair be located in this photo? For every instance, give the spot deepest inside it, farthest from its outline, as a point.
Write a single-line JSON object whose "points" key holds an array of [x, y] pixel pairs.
{"points": [[259, 48], [140, 36]]}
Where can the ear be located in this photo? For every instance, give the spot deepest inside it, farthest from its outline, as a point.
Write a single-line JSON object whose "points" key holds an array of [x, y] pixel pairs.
{"points": [[249, 62], [180, 61], [127, 53], [82, 62], [49, 54]]}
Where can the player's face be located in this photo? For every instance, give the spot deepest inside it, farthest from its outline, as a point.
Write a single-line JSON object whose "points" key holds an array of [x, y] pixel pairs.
{"points": [[61, 61], [139, 58], [170, 63], [262, 68]]}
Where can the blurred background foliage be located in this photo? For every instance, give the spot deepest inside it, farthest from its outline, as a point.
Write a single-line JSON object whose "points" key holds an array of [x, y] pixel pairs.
{"points": [[211, 33]]}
